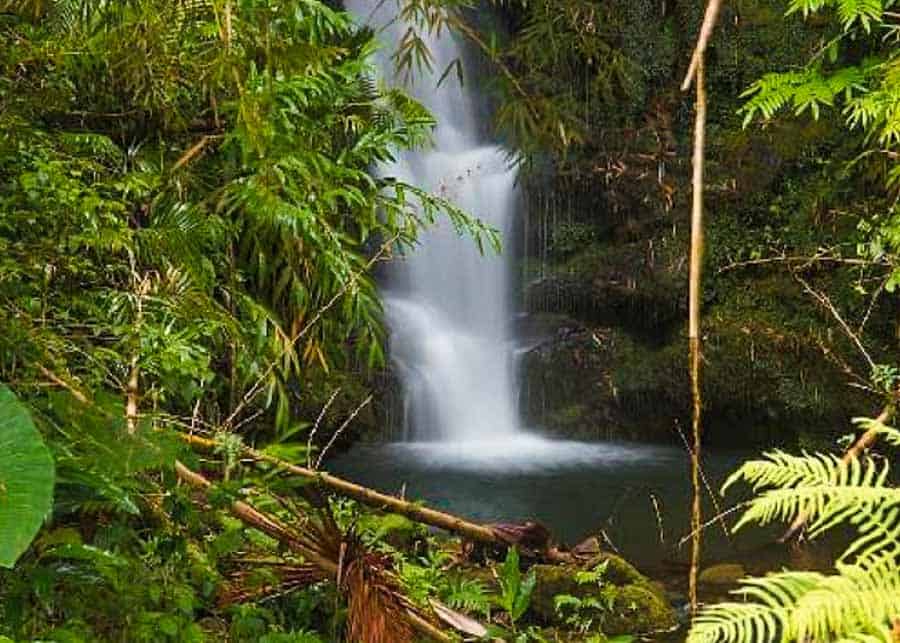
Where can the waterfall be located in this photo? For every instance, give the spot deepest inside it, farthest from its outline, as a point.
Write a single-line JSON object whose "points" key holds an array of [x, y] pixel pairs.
{"points": [[447, 305]]}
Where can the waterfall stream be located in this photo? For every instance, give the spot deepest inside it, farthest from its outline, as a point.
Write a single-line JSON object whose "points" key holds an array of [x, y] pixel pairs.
{"points": [[447, 305], [449, 311]]}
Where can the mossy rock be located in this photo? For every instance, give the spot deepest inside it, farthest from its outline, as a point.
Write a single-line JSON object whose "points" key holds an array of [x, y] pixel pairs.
{"points": [[638, 609], [724, 574], [636, 605], [618, 570]]}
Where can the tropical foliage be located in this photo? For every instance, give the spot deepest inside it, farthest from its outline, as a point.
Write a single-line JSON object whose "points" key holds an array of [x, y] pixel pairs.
{"points": [[26, 478], [858, 603], [189, 230], [864, 91], [188, 187]]}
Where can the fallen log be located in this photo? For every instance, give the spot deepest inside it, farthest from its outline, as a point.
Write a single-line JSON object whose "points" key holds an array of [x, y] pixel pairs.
{"points": [[502, 535]]}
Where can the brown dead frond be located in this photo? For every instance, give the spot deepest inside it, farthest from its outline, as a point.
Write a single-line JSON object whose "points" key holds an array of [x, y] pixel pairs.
{"points": [[267, 580], [376, 607]]}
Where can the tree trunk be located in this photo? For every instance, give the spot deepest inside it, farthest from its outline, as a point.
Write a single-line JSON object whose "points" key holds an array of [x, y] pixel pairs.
{"points": [[696, 74]]}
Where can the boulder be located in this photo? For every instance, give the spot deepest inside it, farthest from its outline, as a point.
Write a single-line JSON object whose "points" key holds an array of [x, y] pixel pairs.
{"points": [[724, 574], [632, 604]]}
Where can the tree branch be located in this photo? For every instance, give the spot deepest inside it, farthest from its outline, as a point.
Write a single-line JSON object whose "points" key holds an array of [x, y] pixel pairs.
{"points": [[709, 23]]}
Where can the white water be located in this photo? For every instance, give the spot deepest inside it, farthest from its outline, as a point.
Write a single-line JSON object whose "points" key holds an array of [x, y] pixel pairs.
{"points": [[448, 307]]}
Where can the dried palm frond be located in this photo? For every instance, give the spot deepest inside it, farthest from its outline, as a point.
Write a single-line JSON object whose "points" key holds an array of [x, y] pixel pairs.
{"points": [[376, 607], [378, 611], [246, 585]]}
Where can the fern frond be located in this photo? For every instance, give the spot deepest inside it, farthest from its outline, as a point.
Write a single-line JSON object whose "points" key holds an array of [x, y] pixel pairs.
{"points": [[828, 492], [855, 605], [804, 90], [860, 601], [856, 600], [783, 470], [824, 505], [889, 435], [737, 622], [850, 12]]}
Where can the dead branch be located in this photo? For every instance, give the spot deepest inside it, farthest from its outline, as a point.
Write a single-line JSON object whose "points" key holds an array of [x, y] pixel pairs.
{"points": [[341, 429], [796, 259], [826, 303], [501, 535], [195, 150], [330, 568], [315, 429], [56, 379]]}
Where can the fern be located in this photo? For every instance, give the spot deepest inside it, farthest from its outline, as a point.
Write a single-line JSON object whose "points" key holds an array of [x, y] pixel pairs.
{"points": [[806, 606], [807, 90], [850, 12], [824, 489], [468, 595], [859, 601]]}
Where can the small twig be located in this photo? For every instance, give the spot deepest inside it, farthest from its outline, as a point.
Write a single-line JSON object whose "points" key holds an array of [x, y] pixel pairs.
{"points": [[709, 489], [338, 433], [720, 517], [875, 296], [247, 420], [312, 434], [826, 303], [609, 541], [659, 520], [195, 415]]}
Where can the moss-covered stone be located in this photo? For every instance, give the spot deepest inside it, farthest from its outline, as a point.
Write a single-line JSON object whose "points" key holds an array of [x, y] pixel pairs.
{"points": [[632, 603], [723, 574], [638, 609], [618, 570]]}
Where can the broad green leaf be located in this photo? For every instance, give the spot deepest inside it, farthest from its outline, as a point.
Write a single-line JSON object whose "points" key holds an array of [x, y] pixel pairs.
{"points": [[26, 478]]}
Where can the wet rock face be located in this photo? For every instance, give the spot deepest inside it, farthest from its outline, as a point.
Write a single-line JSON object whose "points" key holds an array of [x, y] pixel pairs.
{"points": [[723, 574], [628, 286], [570, 387], [603, 382]]}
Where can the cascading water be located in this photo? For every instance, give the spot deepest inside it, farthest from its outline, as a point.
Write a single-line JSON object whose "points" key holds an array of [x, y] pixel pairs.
{"points": [[448, 305], [448, 310]]}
